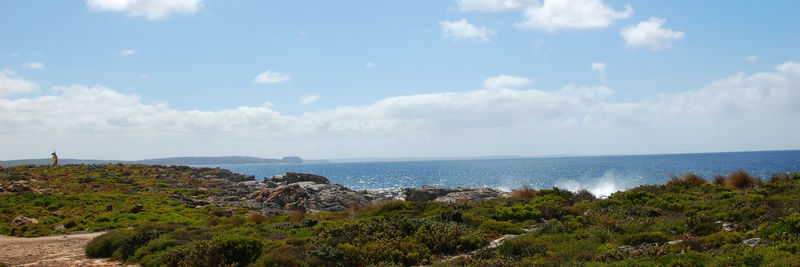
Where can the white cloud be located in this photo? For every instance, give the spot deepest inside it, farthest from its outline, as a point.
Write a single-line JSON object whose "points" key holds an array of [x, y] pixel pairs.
{"points": [[740, 112], [553, 15], [127, 52], [308, 99], [271, 77], [144, 76], [751, 59], [13, 54], [651, 34], [150, 9], [462, 30], [370, 64], [600, 69], [493, 5], [11, 84], [34, 65], [505, 81]]}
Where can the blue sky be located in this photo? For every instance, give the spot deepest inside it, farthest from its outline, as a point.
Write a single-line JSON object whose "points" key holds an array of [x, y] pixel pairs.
{"points": [[130, 79]]}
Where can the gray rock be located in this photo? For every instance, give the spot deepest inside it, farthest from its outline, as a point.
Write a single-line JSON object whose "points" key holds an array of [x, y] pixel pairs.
{"points": [[447, 194], [138, 208], [293, 177], [22, 220], [753, 242]]}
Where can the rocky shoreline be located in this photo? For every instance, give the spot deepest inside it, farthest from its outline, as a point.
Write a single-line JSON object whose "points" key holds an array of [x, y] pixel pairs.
{"points": [[313, 193]]}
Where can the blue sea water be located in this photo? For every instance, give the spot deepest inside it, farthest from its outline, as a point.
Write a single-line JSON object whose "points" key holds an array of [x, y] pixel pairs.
{"points": [[602, 175]]}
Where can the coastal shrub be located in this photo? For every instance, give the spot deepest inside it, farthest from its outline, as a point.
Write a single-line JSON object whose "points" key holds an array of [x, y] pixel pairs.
{"points": [[131, 243], [499, 227], [103, 246], [451, 215], [519, 212], [687, 180], [719, 239], [644, 238], [523, 246], [584, 195], [224, 250]]}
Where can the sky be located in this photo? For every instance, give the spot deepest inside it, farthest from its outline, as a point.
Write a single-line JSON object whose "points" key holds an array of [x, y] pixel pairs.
{"points": [[137, 79]]}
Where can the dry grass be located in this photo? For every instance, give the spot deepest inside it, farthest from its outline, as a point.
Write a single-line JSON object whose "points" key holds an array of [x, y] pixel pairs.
{"points": [[740, 179], [256, 217], [719, 179], [296, 216], [687, 180], [779, 178], [523, 193]]}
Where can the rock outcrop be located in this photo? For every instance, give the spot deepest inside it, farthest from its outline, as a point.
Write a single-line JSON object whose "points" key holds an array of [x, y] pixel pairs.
{"points": [[311, 193], [450, 195]]}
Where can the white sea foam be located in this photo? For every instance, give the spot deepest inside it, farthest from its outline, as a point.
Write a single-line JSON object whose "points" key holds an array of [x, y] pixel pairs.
{"points": [[601, 187]]}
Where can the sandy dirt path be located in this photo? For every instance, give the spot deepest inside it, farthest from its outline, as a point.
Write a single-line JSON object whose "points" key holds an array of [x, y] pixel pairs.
{"points": [[61, 250]]}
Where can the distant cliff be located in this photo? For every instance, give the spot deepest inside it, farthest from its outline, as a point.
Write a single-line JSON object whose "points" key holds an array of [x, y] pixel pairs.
{"points": [[160, 161]]}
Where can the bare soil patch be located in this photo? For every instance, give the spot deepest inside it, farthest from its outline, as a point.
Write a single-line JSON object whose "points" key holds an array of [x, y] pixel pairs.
{"points": [[61, 250]]}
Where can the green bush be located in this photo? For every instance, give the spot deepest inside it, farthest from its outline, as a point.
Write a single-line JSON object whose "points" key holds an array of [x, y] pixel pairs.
{"points": [[523, 246], [719, 239], [224, 250], [103, 246], [644, 238], [519, 212], [499, 227], [133, 242]]}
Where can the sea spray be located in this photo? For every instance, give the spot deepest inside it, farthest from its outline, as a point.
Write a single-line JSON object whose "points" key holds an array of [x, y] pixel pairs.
{"points": [[602, 187]]}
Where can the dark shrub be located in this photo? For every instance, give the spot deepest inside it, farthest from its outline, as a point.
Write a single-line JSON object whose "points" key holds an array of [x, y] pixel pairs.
{"points": [[133, 242], [103, 246], [224, 250], [716, 240], [524, 246], [451, 215], [584, 194], [644, 238]]}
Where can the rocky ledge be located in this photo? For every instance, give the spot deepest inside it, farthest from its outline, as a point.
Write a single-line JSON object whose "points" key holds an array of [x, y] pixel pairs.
{"points": [[311, 193]]}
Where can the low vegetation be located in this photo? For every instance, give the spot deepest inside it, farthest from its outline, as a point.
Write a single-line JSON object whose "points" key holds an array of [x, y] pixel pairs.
{"points": [[734, 220]]}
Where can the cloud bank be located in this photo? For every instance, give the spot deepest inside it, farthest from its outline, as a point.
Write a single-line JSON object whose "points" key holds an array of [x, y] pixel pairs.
{"points": [[150, 9], [739, 112]]}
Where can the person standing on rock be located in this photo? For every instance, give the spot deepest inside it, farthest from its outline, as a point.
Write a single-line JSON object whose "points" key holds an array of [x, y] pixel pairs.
{"points": [[55, 159]]}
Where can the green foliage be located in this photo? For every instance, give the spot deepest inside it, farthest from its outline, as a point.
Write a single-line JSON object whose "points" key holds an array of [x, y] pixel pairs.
{"points": [[106, 244], [224, 250], [644, 238]]}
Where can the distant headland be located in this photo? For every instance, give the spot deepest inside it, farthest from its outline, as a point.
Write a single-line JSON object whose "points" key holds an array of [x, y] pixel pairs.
{"points": [[164, 161]]}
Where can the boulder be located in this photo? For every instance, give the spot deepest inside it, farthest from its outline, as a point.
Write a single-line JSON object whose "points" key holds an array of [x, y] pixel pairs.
{"points": [[293, 177], [22, 220]]}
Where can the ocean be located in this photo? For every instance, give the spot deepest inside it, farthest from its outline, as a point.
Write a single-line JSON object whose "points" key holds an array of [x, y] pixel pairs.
{"points": [[601, 175]]}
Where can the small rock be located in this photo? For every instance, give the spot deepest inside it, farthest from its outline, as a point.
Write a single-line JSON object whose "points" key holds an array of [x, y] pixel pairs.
{"points": [[223, 213], [626, 247], [109, 207], [22, 220], [138, 208], [675, 242], [753, 242], [60, 227]]}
